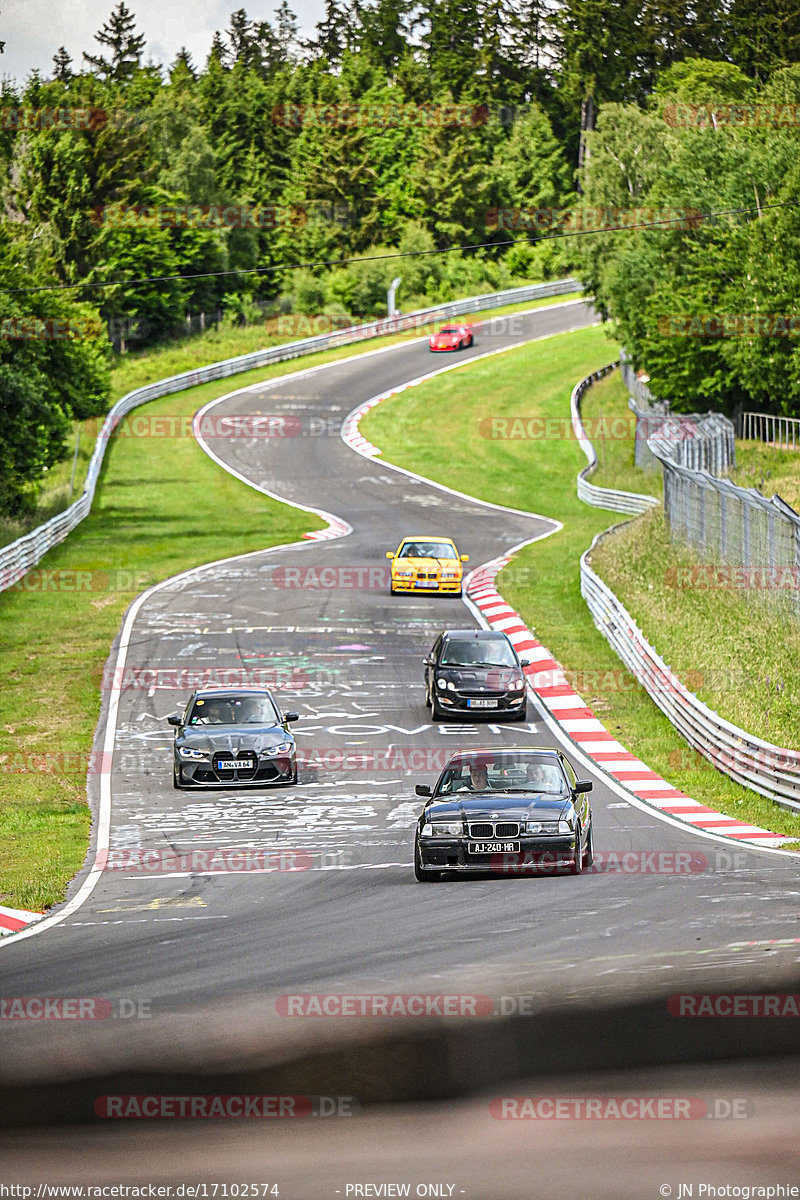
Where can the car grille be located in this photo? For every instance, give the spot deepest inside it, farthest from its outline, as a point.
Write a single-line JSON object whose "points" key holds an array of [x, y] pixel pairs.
{"points": [[426, 575], [484, 829]]}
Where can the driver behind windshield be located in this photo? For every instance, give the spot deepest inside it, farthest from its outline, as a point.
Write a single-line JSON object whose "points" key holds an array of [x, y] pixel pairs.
{"points": [[543, 777], [478, 779]]}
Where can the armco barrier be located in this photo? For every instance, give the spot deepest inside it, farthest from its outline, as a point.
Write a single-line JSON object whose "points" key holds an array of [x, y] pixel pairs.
{"points": [[600, 497], [20, 556], [773, 771]]}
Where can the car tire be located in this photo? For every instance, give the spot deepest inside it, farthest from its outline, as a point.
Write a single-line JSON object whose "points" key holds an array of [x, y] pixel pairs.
{"points": [[437, 713], [420, 874], [588, 857], [577, 864], [471, 341], [175, 783]]}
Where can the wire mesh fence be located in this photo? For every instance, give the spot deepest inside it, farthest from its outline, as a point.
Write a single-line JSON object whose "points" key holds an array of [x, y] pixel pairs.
{"points": [[702, 441]]}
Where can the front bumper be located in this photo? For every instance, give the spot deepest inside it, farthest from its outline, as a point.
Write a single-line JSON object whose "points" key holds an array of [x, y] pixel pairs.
{"points": [[551, 855], [270, 771], [450, 587], [507, 702], [440, 349]]}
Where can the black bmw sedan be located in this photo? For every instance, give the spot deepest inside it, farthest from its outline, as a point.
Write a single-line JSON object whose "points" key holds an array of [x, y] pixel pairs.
{"points": [[505, 810], [475, 672], [233, 737]]}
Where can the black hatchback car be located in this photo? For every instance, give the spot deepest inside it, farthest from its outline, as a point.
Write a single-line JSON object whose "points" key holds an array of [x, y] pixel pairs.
{"points": [[475, 672], [505, 810], [228, 736]]}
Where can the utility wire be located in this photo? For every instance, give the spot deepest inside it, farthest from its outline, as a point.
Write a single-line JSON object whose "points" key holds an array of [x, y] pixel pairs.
{"points": [[696, 215]]}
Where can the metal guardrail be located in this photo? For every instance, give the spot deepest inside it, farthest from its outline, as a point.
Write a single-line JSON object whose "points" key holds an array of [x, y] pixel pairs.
{"points": [[600, 497], [23, 554], [773, 771], [771, 428]]}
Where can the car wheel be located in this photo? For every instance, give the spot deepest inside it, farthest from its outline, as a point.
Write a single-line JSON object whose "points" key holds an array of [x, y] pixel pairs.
{"points": [[436, 712], [588, 857], [577, 863], [471, 341], [175, 782], [420, 874]]}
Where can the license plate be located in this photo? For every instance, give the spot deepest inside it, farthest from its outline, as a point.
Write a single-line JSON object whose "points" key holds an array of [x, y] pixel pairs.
{"points": [[433, 584], [234, 764], [494, 848], [481, 704]]}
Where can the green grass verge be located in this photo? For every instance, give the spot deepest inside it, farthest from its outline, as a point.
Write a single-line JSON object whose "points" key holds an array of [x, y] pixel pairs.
{"points": [[543, 581], [138, 368], [611, 428], [769, 469]]}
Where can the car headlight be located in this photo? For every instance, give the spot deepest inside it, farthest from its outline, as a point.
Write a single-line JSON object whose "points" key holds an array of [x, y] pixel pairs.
{"points": [[404, 574], [565, 827], [194, 755], [542, 827], [442, 829], [517, 685], [445, 683], [272, 751]]}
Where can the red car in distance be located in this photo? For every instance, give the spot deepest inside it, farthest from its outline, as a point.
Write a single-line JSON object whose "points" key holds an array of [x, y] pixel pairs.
{"points": [[452, 337]]}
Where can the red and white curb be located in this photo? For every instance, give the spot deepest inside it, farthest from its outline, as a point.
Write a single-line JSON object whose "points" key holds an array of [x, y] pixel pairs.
{"points": [[14, 919], [547, 679]]}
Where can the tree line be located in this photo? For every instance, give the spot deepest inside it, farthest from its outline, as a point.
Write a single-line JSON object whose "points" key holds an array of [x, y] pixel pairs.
{"points": [[138, 193]]}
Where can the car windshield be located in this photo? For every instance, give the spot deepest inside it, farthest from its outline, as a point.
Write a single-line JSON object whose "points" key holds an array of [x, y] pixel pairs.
{"points": [[427, 550], [521, 772], [233, 710], [448, 330], [477, 652]]}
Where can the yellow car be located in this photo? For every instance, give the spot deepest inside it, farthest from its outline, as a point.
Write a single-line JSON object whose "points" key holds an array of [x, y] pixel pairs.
{"points": [[426, 564]]}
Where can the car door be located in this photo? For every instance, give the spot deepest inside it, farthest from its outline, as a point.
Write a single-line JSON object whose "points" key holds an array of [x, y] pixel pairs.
{"points": [[580, 800], [432, 662]]}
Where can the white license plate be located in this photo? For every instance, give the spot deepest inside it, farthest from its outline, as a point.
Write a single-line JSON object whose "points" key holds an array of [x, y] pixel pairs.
{"points": [[433, 584], [235, 764], [494, 848], [481, 704]]}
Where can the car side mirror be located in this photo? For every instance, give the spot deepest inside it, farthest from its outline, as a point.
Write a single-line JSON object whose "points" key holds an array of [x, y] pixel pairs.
{"points": [[465, 558], [524, 662], [428, 661], [291, 716], [583, 785], [389, 554], [174, 719], [422, 789]]}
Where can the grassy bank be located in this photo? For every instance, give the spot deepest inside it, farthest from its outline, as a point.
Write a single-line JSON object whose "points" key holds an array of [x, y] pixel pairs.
{"points": [[539, 475]]}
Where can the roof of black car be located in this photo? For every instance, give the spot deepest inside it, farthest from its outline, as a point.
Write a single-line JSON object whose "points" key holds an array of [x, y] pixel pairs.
{"points": [[461, 755], [223, 692], [476, 633]]}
